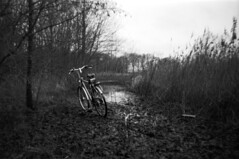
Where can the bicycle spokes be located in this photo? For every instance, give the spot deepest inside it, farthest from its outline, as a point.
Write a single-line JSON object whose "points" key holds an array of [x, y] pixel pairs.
{"points": [[100, 105]]}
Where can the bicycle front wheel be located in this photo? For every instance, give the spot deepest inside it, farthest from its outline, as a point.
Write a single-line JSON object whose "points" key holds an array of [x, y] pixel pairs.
{"points": [[82, 97], [100, 103]]}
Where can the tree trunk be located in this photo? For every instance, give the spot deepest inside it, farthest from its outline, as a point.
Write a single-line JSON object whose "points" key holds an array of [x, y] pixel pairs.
{"points": [[29, 101], [83, 32]]}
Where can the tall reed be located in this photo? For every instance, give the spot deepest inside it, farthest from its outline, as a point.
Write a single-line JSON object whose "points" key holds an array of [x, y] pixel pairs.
{"points": [[204, 82]]}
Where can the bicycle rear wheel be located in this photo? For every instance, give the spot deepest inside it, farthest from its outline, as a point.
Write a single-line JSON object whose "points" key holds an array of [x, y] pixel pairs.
{"points": [[82, 97], [100, 103]]}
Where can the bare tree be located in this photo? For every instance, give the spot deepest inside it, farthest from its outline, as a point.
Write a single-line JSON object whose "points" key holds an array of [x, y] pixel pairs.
{"points": [[54, 31], [29, 55]]}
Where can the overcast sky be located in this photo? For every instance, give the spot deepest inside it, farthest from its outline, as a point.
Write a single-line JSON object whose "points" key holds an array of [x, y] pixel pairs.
{"points": [[159, 26]]}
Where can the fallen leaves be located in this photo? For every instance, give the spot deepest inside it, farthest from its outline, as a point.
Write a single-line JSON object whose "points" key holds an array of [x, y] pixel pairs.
{"points": [[66, 131]]}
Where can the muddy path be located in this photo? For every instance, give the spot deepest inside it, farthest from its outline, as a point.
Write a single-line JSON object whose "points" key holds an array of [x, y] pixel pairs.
{"points": [[130, 131]]}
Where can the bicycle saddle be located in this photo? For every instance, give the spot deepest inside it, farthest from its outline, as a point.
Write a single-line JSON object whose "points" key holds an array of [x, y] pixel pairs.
{"points": [[91, 75]]}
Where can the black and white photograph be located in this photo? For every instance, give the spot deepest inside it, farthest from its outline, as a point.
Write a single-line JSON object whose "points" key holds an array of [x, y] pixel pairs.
{"points": [[119, 79]]}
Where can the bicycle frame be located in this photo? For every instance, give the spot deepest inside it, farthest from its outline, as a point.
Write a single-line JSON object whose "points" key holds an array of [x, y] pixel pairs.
{"points": [[83, 86], [88, 95], [93, 89], [92, 94]]}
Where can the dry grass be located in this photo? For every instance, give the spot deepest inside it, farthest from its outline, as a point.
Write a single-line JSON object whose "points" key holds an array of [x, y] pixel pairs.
{"points": [[204, 82]]}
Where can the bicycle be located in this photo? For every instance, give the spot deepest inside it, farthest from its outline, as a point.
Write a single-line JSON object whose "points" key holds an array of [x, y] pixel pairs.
{"points": [[92, 95]]}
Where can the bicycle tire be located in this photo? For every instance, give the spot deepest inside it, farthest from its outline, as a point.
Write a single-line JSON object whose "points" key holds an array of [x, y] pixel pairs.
{"points": [[100, 103], [82, 98]]}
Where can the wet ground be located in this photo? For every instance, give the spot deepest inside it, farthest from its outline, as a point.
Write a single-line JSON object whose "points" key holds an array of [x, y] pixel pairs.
{"points": [[61, 129], [117, 94]]}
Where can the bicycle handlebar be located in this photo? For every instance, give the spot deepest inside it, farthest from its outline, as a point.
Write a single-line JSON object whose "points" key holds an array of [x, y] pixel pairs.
{"points": [[80, 69]]}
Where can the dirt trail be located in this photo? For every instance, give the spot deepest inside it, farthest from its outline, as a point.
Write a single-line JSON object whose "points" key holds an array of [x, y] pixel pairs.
{"points": [[65, 131]]}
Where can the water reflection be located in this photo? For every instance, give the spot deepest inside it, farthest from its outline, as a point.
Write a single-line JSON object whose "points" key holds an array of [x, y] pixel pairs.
{"points": [[116, 94]]}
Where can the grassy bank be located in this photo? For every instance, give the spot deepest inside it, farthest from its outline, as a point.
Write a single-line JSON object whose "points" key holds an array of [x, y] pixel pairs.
{"points": [[203, 81]]}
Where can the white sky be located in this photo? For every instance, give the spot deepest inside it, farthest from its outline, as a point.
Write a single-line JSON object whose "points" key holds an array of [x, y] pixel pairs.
{"points": [[159, 26]]}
